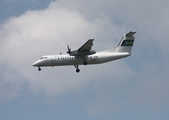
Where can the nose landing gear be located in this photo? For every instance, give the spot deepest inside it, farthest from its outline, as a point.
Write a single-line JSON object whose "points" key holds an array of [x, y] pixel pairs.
{"points": [[39, 68]]}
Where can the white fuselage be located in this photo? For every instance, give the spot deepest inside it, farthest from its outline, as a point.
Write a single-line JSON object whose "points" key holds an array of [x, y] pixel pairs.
{"points": [[86, 56], [66, 59]]}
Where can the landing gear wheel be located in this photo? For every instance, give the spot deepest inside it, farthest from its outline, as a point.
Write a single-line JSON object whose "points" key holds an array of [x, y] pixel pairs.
{"points": [[77, 70], [85, 63], [39, 68]]}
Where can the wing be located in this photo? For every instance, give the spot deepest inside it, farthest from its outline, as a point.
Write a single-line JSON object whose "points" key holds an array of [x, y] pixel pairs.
{"points": [[87, 46]]}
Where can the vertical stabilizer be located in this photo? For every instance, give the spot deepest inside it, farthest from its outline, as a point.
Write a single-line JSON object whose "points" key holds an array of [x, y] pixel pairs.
{"points": [[126, 43]]}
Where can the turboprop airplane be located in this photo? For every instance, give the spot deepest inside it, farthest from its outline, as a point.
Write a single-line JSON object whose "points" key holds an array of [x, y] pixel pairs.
{"points": [[86, 56]]}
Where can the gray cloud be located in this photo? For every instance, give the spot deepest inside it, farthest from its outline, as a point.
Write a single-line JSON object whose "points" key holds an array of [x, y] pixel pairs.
{"points": [[139, 83], [35, 33]]}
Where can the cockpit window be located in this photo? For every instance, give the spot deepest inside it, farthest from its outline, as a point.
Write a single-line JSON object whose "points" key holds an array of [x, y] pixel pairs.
{"points": [[43, 58]]}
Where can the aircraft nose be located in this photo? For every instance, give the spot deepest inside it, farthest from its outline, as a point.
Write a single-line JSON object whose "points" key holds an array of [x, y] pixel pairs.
{"points": [[35, 63]]}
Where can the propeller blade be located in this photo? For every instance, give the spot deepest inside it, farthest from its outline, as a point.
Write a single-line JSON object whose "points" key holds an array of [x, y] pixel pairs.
{"points": [[69, 50]]}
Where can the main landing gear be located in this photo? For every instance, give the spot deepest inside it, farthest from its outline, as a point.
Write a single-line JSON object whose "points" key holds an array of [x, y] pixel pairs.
{"points": [[77, 68], [84, 60], [85, 63]]}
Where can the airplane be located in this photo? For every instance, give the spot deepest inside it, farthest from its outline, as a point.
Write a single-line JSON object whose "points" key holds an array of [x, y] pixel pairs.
{"points": [[86, 56]]}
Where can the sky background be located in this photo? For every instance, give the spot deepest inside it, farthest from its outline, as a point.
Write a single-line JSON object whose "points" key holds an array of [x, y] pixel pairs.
{"points": [[133, 88]]}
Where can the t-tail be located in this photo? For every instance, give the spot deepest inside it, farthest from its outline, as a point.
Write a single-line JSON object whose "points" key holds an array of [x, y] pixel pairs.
{"points": [[126, 43]]}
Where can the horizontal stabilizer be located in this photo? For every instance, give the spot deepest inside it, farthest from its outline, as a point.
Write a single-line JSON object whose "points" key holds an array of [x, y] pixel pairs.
{"points": [[130, 34]]}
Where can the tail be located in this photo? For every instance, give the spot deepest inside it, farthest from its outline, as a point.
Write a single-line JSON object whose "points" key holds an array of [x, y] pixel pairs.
{"points": [[126, 43]]}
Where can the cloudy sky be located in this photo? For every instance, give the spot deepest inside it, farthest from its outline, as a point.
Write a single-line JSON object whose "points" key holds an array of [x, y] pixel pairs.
{"points": [[134, 88]]}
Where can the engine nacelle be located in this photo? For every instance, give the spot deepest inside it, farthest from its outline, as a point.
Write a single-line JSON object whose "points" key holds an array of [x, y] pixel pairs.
{"points": [[78, 53]]}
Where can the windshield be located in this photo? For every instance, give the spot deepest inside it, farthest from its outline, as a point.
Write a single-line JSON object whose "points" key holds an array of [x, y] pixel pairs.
{"points": [[43, 58]]}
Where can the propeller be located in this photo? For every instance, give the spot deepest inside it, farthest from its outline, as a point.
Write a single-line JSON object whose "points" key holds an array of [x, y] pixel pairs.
{"points": [[69, 50]]}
